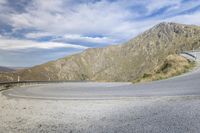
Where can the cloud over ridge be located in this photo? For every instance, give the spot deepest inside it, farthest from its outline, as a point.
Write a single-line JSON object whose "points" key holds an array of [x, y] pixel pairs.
{"points": [[86, 23]]}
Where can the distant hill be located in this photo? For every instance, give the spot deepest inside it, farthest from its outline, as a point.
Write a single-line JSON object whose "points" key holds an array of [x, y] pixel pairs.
{"points": [[6, 69], [125, 62]]}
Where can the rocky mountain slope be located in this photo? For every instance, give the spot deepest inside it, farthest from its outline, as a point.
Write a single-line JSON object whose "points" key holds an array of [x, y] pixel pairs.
{"points": [[125, 62]]}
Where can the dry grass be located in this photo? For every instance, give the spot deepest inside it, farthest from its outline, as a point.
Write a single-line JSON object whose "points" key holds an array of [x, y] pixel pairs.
{"points": [[172, 66]]}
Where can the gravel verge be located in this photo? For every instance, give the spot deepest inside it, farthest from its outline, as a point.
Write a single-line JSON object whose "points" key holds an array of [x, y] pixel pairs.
{"points": [[150, 114]]}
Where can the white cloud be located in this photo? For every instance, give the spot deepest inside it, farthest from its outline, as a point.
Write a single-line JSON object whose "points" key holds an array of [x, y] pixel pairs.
{"points": [[3, 1], [187, 18], [81, 19], [14, 44], [85, 21], [35, 35], [114, 20], [157, 4], [100, 40]]}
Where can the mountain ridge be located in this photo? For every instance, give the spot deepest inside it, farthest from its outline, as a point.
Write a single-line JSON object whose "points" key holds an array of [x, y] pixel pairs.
{"points": [[124, 62], [6, 69]]}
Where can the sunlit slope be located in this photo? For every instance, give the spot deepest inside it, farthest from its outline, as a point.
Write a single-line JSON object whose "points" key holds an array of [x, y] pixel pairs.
{"points": [[125, 62]]}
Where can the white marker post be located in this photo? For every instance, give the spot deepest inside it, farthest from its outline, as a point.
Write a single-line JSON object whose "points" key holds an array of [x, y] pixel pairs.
{"points": [[18, 78], [195, 55]]}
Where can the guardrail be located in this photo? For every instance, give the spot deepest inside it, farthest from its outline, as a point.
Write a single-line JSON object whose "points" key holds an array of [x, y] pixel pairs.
{"points": [[8, 85], [187, 53]]}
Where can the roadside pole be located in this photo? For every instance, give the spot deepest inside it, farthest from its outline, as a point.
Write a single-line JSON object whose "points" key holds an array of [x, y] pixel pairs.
{"points": [[195, 54], [18, 78]]}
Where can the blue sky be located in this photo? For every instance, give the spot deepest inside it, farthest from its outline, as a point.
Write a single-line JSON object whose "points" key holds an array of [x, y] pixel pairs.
{"points": [[36, 31]]}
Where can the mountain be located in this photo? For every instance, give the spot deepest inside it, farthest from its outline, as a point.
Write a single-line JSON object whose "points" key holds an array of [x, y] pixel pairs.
{"points": [[6, 69], [125, 62]]}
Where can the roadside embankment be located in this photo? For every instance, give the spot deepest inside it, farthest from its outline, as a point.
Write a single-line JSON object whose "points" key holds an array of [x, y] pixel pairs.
{"points": [[173, 65]]}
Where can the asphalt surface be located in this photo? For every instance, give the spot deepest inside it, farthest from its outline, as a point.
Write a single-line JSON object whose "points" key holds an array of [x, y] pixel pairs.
{"points": [[186, 84]]}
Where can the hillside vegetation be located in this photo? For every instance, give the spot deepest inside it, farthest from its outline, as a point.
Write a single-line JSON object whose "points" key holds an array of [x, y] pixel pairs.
{"points": [[126, 62], [172, 66]]}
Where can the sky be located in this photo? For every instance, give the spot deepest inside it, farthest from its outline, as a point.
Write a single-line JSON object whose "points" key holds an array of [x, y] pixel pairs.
{"points": [[36, 31]]}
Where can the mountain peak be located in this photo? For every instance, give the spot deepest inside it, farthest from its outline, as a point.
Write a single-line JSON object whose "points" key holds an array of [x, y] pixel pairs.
{"points": [[168, 24], [128, 62], [171, 28], [172, 25]]}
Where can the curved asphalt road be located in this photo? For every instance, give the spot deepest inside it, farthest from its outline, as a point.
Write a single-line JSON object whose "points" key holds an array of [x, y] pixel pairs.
{"points": [[186, 84]]}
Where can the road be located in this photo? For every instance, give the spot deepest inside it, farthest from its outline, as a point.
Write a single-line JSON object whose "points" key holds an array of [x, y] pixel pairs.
{"points": [[171, 105], [187, 84]]}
